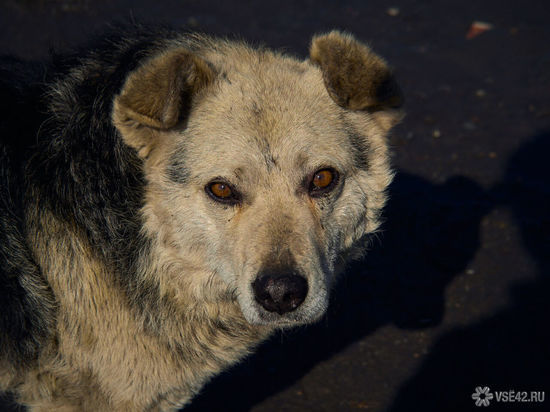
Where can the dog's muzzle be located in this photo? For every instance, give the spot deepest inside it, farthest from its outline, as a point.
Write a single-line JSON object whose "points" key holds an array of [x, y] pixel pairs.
{"points": [[281, 293]]}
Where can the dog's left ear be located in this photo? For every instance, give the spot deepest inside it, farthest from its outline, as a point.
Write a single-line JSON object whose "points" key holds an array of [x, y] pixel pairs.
{"points": [[355, 77], [158, 95]]}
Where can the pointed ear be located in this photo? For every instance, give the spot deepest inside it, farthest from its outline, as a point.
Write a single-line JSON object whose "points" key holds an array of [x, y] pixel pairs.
{"points": [[157, 95], [355, 77]]}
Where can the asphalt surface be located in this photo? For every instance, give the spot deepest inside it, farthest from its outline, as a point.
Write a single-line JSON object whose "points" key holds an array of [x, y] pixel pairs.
{"points": [[454, 294]]}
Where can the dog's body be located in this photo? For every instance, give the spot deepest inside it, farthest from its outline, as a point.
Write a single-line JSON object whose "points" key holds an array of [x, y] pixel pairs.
{"points": [[168, 200]]}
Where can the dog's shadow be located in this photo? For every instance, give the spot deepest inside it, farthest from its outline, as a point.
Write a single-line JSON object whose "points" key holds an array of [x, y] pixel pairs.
{"points": [[431, 234], [509, 350]]}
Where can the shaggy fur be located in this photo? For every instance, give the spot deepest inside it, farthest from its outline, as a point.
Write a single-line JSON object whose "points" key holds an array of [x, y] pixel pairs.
{"points": [[125, 282]]}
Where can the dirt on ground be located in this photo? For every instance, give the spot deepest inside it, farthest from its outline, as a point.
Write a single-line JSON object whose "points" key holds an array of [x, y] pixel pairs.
{"points": [[454, 294]]}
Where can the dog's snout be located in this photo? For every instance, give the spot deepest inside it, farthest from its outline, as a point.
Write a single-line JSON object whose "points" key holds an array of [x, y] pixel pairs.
{"points": [[280, 293]]}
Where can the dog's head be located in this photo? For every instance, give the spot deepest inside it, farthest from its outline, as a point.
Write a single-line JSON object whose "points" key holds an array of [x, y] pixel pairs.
{"points": [[263, 171]]}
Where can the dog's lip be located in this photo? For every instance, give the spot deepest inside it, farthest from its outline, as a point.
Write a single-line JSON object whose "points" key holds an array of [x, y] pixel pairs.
{"points": [[282, 322], [294, 318]]}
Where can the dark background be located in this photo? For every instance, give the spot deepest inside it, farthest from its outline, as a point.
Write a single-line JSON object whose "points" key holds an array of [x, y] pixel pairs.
{"points": [[454, 294]]}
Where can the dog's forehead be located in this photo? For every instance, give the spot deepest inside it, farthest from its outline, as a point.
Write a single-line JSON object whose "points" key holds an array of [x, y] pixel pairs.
{"points": [[271, 94], [275, 112]]}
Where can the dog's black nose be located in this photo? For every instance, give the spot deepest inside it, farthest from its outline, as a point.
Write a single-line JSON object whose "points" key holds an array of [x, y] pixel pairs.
{"points": [[279, 293]]}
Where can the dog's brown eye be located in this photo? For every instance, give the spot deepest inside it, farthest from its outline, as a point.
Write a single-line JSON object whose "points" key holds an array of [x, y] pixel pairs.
{"points": [[222, 192], [322, 178], [323, 181]]}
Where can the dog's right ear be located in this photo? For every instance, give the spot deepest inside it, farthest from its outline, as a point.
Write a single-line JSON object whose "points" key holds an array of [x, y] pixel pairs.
{"points": [[157, 96]]}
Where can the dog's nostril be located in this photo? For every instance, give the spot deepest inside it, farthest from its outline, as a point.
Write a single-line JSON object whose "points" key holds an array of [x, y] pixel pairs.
{"points": [[280, 293]]}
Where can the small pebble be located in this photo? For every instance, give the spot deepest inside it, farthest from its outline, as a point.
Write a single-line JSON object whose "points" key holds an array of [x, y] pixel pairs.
{"points": [[393, 11], [469, 126], [476, 28], [481, 93], [429, 119]]}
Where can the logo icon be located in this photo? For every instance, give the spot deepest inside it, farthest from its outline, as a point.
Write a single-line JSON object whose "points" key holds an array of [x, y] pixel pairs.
{"points": [[482, 396]]}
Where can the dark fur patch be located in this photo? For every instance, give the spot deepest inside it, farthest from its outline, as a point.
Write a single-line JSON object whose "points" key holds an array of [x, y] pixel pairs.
{"points": [[79, 141], [269, 159], [27, 308], [177, 170], [359, 148]]}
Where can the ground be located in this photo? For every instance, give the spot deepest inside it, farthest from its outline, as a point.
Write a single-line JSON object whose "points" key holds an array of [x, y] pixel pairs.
{"points": [[454, 293]]}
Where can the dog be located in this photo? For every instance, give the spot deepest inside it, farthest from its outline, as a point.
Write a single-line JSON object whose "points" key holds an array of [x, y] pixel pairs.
{"points": [[168, 200]]}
